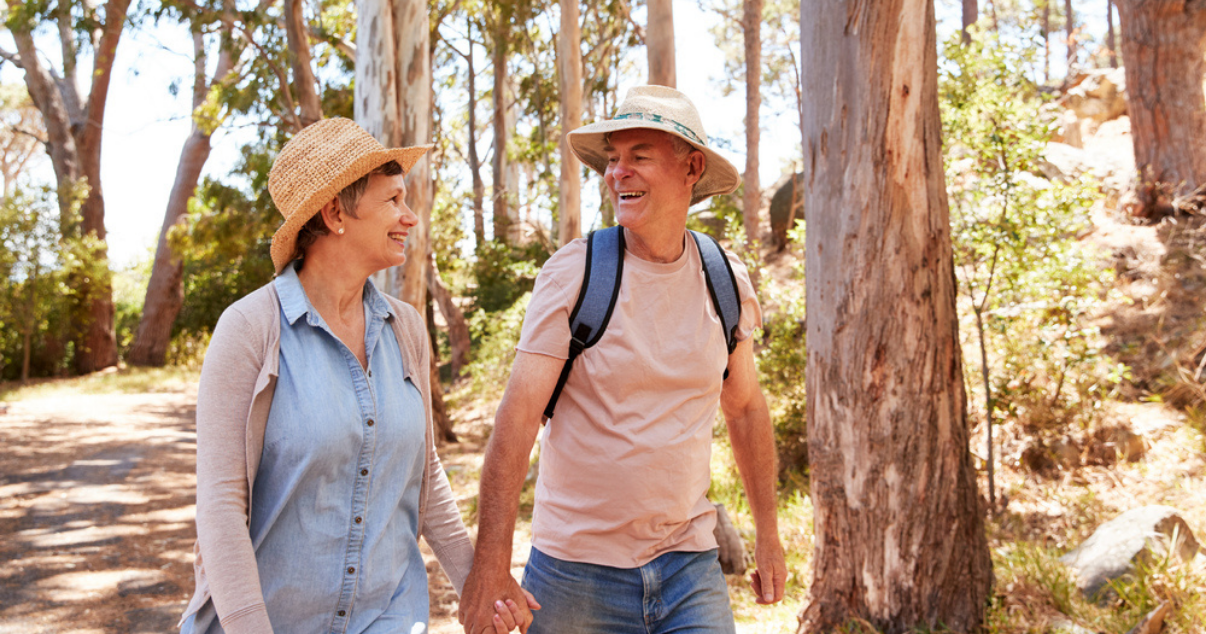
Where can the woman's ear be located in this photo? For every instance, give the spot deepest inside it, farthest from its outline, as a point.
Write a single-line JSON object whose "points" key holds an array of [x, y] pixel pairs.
{"points": [[332, 215]]}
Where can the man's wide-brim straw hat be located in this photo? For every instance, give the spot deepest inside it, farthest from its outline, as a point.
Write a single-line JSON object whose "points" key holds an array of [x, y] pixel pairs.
{"points": [[315, 165], [658, 108]]}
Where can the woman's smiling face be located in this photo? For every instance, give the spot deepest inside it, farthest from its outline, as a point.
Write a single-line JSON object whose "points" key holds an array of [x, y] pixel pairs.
{"points": [[382, 222]]}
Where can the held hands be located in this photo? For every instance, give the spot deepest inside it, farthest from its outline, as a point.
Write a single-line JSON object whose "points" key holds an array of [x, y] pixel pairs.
{"points": [[770, 576], [496, 606]]}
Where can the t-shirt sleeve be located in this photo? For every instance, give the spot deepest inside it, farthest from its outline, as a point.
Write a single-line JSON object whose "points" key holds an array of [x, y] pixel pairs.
{"points": [[546, 323], [751, 311]]}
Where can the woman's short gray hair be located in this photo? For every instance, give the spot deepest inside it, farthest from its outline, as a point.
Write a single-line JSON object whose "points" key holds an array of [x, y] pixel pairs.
{"points": [[349, 199]]}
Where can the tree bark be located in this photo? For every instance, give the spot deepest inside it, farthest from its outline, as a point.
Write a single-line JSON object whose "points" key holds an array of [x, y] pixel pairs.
{"points": [[1045, 28], [971, 13], [475, 163], [1070, 34], [439, 411], [899, 523], [659, 43], [458, 328], [413, 63], [1162, 44], [752, 200], [304, 81], [1111, 40], [502, 218], [165, 293], [569, 42]]}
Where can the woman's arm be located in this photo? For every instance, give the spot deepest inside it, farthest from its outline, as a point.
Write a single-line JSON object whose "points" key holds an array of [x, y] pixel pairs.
{"points": [[228, 381]]}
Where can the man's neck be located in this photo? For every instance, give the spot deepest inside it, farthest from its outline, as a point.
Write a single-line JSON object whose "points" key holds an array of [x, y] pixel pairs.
{"points": [[664, 247]]}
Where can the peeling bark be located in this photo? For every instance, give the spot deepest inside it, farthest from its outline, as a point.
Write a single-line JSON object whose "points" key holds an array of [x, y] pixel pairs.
{"points": [[899, 525]]}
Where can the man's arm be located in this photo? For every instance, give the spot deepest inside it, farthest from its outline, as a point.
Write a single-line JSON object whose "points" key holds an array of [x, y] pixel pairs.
{"points": [[753, 440], [516, 424]]}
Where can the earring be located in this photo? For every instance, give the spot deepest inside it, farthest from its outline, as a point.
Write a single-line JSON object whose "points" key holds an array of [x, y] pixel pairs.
{"points": [[340, 232]]}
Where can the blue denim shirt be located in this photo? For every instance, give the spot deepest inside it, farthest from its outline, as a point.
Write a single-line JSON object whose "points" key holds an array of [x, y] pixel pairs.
{"points": [[335, 507]]}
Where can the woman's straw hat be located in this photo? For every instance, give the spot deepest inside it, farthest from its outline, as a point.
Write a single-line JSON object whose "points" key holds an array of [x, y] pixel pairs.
{"points": [[658, 108], [315, 165]]}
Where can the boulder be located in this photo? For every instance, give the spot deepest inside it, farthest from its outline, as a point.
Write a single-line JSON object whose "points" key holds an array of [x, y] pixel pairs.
{"points": [[786, 207], [1112, 551], [732, 548], [1097, 95], [1153, 622]]}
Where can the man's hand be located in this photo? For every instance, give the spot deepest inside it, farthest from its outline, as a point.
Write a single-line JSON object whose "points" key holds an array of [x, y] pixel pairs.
{"points": [[496, 604], [771, 574]]}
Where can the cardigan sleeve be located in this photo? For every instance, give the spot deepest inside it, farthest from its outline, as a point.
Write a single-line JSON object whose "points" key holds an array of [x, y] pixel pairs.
{"points": [[442, 526], [228, 383]]}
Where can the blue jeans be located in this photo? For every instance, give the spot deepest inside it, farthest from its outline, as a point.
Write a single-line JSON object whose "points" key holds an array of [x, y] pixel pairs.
{"points": [[679, 592]]}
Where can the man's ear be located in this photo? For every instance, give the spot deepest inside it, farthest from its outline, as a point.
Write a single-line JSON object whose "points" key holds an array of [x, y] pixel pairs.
{"points": [[696, 162]]}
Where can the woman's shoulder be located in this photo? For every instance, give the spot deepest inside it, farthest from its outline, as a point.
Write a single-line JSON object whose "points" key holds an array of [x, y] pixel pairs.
{"points": [[257, 311]]}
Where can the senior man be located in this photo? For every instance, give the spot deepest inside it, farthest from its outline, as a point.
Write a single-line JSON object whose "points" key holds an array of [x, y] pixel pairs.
{"points": [[622, 531]]}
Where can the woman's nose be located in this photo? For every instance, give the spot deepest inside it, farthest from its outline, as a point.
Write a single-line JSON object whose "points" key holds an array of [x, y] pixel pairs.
{"points": [[408, 218]]}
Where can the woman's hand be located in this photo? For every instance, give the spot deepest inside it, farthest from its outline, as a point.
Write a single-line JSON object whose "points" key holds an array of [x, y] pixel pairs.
{"points": [[508, 616]]}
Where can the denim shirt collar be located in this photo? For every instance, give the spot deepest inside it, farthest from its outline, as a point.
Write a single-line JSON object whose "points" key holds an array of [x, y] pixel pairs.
{"points": [[294, 302]]}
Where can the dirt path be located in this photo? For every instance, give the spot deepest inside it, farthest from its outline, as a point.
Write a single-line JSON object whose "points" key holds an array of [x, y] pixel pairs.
{"points": [[96, 516]]}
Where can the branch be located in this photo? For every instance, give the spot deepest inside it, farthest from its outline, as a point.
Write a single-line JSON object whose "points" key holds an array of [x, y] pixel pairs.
{"points": [[12, 58], [637, 28]]}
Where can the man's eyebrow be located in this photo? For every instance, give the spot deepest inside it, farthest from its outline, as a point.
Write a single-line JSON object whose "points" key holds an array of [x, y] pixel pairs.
{"points": [[640, 147]]}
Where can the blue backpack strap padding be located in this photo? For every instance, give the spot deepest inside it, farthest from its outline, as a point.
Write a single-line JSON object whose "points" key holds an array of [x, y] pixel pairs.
{"points": [[722, 285], [596, 299]]}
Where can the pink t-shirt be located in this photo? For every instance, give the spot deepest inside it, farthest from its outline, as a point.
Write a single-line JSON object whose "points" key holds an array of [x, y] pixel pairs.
{"points": [[625, 460]]}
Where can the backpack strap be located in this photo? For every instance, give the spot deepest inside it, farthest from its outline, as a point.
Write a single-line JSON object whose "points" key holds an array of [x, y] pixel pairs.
{"points": [[722, 286], [596, 299]]}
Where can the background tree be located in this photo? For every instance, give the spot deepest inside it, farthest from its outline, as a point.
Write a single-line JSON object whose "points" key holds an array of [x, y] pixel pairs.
{"points": [[900, 531], [971, 13], [569, 62], [22, 135], [1162, 45], [74, 125], [165, 291], [752, 200], [659, 42]]}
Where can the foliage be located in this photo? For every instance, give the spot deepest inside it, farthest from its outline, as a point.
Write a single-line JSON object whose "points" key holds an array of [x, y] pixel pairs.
{"points": [[1027, 285], [129, 291], [36, 267], [504, 273], [497, 335], [224, 243]]}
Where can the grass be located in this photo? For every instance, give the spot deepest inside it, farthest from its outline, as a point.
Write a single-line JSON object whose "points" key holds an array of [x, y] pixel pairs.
{"points": [[122, 380]]}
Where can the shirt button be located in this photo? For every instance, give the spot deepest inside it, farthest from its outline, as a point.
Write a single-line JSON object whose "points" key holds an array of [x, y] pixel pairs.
{"points": [[342, 613], [364, 472], [370, 373], [371, 422], [351, 570], [359, 519]]}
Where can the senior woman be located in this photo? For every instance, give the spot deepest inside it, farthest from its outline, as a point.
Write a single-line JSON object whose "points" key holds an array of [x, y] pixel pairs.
{"points": [[316, 467]]}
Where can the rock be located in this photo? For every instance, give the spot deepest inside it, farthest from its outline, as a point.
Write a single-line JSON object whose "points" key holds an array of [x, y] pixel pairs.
{"points": [[1108, 445], [1064, 162], [783, 214], [1153, 622], [1112, 550], [1097, 95], [732, 548], [1066, 453], [1067, 626]]}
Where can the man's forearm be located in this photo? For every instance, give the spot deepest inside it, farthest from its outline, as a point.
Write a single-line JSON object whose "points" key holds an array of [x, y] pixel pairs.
{"points": [[503, 473], [753, 443]]}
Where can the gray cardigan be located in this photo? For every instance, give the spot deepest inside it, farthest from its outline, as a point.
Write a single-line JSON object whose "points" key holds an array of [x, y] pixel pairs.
{"points": [[238, 379]]}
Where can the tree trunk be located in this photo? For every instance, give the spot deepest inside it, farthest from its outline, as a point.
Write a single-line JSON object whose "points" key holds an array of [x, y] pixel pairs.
{"points": [[165, 293], [74, 128], [458, 328], [413, 63], [1111, 40], [502, 218], [304, 82], [1070, 34], [971, 13], [1045, 28], [752, 201], [439, 411], [475, 163], [1162, 44], [659, 43], [569, 42], [899, 524]]}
